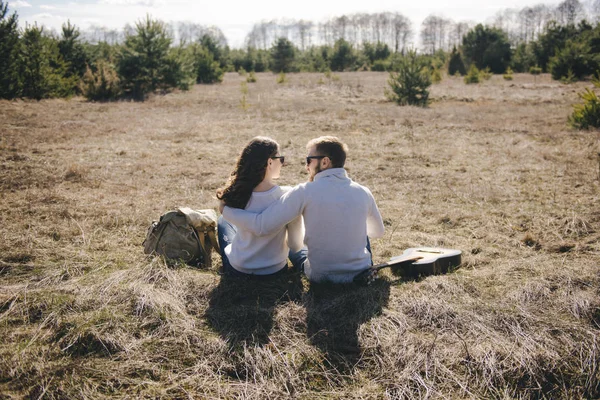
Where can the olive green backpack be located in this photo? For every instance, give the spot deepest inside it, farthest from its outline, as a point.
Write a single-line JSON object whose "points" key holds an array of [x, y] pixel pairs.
{"points": [[184, 235]]}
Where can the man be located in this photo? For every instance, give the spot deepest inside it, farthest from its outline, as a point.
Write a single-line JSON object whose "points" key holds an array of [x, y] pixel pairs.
{"points": [[339, 216]]}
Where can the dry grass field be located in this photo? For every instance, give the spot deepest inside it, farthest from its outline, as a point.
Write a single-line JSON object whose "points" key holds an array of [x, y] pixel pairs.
{"points": [[490, 169]]}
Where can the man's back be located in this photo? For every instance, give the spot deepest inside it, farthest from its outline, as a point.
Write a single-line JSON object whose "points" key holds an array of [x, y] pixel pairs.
{"points": [[337, 213]]}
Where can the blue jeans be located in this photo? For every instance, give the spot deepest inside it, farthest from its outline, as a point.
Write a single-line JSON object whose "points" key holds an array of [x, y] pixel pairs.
{"points": [[299, 257], [227, 231]]}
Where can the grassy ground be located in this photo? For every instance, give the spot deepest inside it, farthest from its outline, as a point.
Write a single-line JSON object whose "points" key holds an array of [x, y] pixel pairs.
{"points": [[490, 169]]}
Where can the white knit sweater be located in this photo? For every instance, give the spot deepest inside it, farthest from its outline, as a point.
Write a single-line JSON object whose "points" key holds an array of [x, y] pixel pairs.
{"points": [[338, 215], [267, 254]]}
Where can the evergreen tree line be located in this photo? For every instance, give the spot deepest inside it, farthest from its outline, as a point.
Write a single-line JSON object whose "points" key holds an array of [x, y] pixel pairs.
{"points": [[37, 64], [568, 52]]}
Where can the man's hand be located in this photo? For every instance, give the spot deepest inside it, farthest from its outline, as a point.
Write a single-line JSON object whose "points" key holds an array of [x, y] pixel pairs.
{"points": [[221, 206]]}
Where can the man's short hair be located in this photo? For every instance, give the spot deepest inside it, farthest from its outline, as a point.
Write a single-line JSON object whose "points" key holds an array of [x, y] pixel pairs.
{"points": [[331, 147]]}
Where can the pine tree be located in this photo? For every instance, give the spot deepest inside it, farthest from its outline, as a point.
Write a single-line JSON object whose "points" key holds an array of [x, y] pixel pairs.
{"points": [[10, 85], [409, 86], [487, 47], [212, 46], [283, 56], [587, 114], [42, 70], [207, 70], [180, 70], [456, 63], [343, 56], [72, 50], [146, 63]]}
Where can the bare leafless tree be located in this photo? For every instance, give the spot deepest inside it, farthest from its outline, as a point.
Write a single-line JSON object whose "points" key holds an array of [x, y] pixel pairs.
{"points": [[593, 10], [542, 15], [570, 12], [401, 32], [526, 23], [304, 33], [434, 33], [457, 31]]}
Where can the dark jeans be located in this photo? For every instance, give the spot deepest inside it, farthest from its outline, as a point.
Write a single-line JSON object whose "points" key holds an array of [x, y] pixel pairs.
{"points": [[226, 232]]}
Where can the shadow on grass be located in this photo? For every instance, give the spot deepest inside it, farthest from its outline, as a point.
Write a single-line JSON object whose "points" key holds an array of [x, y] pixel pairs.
{"points": [[334, 314], [241, 309]]}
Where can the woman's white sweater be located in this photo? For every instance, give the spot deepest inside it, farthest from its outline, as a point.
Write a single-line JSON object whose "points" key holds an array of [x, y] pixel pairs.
{"points": [[264, 255]]}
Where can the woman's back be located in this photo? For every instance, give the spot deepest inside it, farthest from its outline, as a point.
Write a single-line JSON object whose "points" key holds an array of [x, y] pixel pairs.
{"points": [[264, 255]]}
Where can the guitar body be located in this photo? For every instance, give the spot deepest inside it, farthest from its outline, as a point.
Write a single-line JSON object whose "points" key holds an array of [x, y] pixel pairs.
{"points": [[432, 261], [414, 263]]}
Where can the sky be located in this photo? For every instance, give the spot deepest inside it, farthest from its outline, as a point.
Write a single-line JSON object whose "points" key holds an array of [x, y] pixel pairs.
{"points": [[236, 17]]}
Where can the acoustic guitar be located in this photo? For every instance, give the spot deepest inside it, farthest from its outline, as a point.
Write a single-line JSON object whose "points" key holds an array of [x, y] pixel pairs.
{"points": [[415, 262]]}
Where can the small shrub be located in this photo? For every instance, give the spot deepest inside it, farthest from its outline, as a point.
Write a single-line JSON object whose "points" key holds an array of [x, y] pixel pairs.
{"points": [[244, 88], [102, 85], [242, 71], [409, 86], [244, 105], [380, 65], [436, 76], [535, 71], [251, 77], [472, 76], [569, 77], [485, 74], [587, 114], [281, 78], [508, 76]]}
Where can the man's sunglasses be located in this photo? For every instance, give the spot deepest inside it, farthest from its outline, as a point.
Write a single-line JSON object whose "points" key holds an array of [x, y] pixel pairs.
{"points": [[281, 158], [311, 157]]}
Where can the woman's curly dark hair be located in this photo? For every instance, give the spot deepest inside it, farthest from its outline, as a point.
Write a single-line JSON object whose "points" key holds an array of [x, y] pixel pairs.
{"points": [[248, 172]]}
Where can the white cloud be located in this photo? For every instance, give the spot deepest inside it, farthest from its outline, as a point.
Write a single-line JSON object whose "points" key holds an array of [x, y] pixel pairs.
{"points": [[47, 7], [86, 22], [19, 4], [143, 3], [44, 16]]}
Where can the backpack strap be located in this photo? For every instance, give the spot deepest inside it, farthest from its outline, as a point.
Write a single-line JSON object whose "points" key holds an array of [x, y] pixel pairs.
{"points": [[214, 241]]}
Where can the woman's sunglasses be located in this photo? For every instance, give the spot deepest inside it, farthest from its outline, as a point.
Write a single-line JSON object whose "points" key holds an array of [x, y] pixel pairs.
{"points": [[281, 158]]}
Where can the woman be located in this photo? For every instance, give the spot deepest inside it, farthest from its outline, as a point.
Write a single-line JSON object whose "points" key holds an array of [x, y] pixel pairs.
{"points": [[251, 187]]}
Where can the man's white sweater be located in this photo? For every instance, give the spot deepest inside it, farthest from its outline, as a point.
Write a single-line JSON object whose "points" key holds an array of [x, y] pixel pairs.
{"points": [[338, 216]]}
